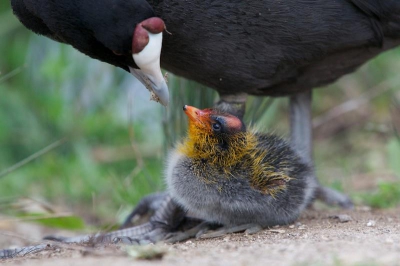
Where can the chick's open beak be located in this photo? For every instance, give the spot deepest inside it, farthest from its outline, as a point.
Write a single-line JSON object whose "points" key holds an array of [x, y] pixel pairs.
{"points": [[146, 51]]}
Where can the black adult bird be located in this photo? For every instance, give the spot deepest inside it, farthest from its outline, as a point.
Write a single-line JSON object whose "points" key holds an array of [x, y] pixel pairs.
{"points": [[239, 47]]}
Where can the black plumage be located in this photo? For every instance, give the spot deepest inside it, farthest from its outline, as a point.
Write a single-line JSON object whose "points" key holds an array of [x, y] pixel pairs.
{"points": [[274, 47], [263, 47], [100, 29]]}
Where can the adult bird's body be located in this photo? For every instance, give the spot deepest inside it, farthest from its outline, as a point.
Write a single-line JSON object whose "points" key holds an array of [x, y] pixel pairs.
{"points": [[238, 47], [274, 48], [262, 47]]}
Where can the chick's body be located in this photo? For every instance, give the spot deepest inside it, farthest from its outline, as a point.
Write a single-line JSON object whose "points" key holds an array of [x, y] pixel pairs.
{"points": [[233, 176]]}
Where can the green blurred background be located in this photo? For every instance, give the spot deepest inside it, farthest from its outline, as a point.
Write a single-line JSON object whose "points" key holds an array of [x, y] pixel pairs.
{"points": [[108, 142]]}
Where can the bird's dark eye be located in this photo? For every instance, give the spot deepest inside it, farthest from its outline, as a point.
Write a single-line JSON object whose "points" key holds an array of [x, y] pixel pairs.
{"points": [[216, 127]]}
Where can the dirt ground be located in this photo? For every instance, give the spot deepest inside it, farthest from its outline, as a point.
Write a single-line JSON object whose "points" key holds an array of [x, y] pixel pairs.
{"points": [[369, 237]]}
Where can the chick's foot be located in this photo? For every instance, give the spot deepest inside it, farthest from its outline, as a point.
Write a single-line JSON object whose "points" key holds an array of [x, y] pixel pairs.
{"points": [[146, 207], [333, 197], [20, 252], [166, 219], [247, 228]]}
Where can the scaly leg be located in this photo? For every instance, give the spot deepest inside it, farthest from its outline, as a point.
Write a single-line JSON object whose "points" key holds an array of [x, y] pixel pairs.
{"points": [[195, 231], [167, 218], [146, 206], [20, 252], [247, 228], [232, 103], [301, 137]]}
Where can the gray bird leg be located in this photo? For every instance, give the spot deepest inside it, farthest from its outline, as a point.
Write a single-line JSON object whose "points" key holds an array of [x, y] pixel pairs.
{"points": [[301, 138], [248, 228], [20, 252], [232, 103], [166, 219], [146, 206], [188, 228], [300, 124], [187, 234]]}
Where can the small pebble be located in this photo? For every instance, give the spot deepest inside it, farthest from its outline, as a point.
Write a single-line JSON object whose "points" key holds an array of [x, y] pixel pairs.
{"points": [[324, 238], [364, 208], [227, 238], [343, 218], [278, 231], [184, 247], [389, 241], [371, 223]]}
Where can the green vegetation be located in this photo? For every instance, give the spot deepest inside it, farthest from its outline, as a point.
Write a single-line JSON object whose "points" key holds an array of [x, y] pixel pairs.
{"points": [[115, 142], [387, 195]]}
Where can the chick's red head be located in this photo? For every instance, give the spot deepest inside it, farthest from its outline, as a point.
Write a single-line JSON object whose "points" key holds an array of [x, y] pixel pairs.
{"points": [[216, 137], [213, 121]]}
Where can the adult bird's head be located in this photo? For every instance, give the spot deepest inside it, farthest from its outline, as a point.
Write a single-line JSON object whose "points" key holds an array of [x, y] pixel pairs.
{"points": [[216, 136], [123, 33], [146, 51]]}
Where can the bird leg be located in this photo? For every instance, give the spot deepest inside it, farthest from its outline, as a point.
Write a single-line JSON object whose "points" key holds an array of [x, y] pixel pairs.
{"points": [[168, 223], [247, 228], [188, 228], [232, 103], [301, 138], [20, 252], [146, 207], [206, 230], [166, 219], [300, 124], [195, 231]]}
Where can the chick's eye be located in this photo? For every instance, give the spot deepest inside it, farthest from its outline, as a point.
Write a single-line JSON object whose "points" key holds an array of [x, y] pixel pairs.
{"points": [[216, 127]]}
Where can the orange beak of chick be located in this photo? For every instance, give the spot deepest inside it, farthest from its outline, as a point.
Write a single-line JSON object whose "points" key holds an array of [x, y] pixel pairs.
{"points": [[200, 118]]}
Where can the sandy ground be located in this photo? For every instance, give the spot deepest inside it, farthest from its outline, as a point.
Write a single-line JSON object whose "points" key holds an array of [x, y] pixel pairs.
{"points": [[371, 237]]}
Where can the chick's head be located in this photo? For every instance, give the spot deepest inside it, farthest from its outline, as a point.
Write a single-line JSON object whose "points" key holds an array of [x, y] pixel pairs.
{"points": [[216, 136]]}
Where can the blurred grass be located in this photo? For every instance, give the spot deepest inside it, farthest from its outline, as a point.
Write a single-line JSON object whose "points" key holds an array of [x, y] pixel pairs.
{"points": [[116, 141]]}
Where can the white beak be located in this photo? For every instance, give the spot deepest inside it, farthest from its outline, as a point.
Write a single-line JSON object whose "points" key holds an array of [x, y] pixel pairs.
{"points": [[148, 60]]}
